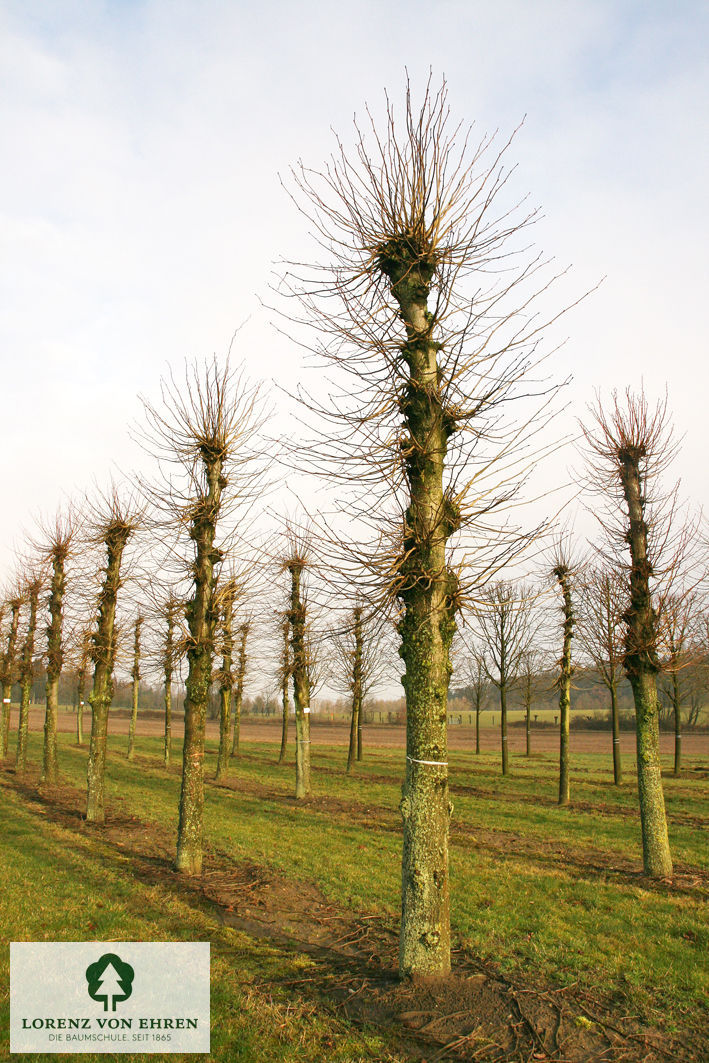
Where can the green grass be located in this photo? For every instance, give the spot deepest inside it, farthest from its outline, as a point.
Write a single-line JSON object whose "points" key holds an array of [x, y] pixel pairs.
{"points": [[548, 894]]}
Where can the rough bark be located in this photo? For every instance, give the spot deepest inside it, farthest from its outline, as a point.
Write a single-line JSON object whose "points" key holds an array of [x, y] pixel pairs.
{"points": [[528, 711], [226, 681], [135, 676], [355, 725], [168, 662], [285, 681], [301, 682], [239, 688], [26, 674], [81, 686], [8, 672], [641, 666], [427, 624], [615, 723], [115, 538], [55, 659], [202, 617], [563, 578]]}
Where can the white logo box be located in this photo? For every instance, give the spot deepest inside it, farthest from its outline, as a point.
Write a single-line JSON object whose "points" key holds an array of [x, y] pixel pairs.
{"points": [[111, 996]]}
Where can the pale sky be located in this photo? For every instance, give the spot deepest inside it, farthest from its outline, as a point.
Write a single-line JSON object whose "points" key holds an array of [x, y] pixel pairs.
{"points": [[141, 211]]}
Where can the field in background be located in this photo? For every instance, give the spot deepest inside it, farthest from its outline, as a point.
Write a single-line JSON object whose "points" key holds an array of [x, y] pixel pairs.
{"points": [[562, 948]]}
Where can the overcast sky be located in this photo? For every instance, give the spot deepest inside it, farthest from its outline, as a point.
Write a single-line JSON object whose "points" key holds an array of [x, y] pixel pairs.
{"points": [[141, 209]]}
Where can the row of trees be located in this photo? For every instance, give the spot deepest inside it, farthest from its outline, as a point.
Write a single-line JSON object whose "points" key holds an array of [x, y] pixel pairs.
{"points": [[421, 305]]}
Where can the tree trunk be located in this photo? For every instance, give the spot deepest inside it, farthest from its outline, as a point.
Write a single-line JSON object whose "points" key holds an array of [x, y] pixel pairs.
{"points": [[355, 728], [617, 770], [427, 592], [677, 707], [81, 686], [102, 691], [503, 728], [301, 683], [563, 577], [641, 665], [135, 674], [285, 680], [202, 616], [226, 681], [477, 727], [168, 660], [8, 665], [239, 689], [26, 680], [528, 712]]}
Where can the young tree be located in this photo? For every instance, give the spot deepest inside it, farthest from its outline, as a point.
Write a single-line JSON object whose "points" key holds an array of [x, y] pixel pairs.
{"points": [[504, 628], [58, 542], [26, 670], [200, 435], [300, 665], [285, 670], [530, 681], [413, 306], [81, 673], [629, 447], [8, 667], [244, 630], [169, 654], [677, 623], [360, 660], [226, 679], [115, 519], [562, 572], [135, 676], [603, 603]]}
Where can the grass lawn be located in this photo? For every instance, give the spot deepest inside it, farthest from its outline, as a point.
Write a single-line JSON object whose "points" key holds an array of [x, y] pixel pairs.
{"points": [[549, 898]]}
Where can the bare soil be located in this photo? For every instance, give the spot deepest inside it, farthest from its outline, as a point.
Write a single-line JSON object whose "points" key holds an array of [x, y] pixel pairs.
{"points": [[544, 740], [476, 1015]]}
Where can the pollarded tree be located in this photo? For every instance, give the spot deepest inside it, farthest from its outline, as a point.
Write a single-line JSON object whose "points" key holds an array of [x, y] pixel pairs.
{"points": [[201, 437], [295, 565], [225, 675], [244, 631], [82, 669], [629, 447], [421, 301], [56, 547], [601, 610], [8, 668], [285, 670], [112, 523], [563, 573], [135, 676], [169, 654], [33, 588]]}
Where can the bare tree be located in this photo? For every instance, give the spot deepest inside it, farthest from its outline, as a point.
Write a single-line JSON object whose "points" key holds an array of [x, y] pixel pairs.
{"points": [[475, 676], [295, 564], [243, 632], [285, 671], [135, 676], [114, 519], [200, 435], [530, 682], [360, 660], [81, 673], [421, 306], [629, 447], [562, 572], [33, 588], [678, 650], [56, 546], [226, 675], [603, 603], [8, 668], [503, 623]]}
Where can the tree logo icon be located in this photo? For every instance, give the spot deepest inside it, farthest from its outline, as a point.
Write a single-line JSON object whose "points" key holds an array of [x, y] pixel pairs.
{"points": [[110, 980]]}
